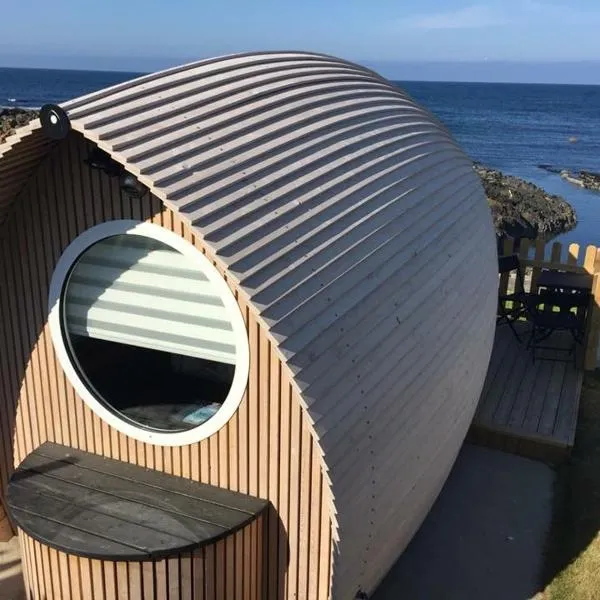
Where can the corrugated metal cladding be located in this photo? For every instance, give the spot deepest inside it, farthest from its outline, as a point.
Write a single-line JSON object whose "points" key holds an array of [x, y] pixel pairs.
{"points": [[360, 235]]}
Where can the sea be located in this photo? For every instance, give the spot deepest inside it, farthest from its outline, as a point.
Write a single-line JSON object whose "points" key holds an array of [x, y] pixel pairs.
{"points": [[510, 127]]}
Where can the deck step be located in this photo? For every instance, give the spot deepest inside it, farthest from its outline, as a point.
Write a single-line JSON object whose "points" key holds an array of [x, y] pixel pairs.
{"points": [[527, 408]]}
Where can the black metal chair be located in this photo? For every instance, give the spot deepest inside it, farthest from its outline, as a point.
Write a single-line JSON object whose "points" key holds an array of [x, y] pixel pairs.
{"points": [[551, 312], [512, 306]]}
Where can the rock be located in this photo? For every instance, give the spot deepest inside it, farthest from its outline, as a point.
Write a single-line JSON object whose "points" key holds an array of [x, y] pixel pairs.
{"points": [[522, 209], [11, 118], [568, 177], [585, 179], [590, 181]]}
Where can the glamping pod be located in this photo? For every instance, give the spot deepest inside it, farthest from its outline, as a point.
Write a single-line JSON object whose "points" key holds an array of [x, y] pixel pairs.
{"points": [[247, 307]]}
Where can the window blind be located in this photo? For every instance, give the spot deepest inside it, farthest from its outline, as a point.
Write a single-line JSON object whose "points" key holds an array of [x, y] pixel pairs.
{"points": [[138, 291]]}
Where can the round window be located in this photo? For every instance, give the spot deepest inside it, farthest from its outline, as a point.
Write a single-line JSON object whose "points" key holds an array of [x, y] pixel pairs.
{"points": [[148, 332]]}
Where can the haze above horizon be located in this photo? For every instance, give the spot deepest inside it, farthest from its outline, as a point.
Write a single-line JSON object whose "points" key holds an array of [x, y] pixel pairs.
{"points": [[530, 41]]}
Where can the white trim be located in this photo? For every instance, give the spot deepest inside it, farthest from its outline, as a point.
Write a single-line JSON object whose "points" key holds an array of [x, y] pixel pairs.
{"points": [[242, 366]]}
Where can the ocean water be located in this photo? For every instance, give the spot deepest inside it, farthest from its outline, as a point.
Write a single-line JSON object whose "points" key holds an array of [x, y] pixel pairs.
{"points": [[516, 127], [511, 127]]}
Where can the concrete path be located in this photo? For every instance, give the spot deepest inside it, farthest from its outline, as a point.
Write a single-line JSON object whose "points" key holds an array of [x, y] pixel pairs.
{"points": [[11, 579], [484, 538]]}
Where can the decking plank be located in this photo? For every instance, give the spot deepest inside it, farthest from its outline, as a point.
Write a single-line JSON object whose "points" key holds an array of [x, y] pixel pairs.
{"points": [[538, 398], [568, 409], [502, 345], [496, 389], [518, 413], [527, 407], [552, 399], [512, 385]]}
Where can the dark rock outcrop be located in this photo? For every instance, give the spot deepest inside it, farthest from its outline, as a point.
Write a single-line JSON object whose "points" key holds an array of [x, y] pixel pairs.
{"points": [[11, 118], [590, 181], [584, 179], [522, 209]]}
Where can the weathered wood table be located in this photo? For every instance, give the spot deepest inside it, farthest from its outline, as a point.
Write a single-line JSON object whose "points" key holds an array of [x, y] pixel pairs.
{"points": [[83, 505]]}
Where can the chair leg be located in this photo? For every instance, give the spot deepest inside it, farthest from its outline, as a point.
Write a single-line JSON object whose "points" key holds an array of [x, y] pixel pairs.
{"points": [[512, 328]]}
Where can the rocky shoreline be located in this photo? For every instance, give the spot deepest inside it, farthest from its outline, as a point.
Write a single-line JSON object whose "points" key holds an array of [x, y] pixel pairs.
{"points": [[519, 208], [11, 118], [584, 179], [522, 209]]}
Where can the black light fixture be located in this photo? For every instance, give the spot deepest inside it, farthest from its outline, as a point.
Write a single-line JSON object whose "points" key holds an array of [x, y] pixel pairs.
{"points": [[103, 161], [55, 122], [132, 186]]}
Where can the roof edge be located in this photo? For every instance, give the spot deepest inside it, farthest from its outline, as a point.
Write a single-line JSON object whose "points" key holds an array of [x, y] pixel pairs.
{"points": [[18, 135], [79, 101]]}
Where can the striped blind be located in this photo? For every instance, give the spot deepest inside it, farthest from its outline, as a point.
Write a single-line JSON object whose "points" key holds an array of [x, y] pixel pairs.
{"points": [[136, 290]]}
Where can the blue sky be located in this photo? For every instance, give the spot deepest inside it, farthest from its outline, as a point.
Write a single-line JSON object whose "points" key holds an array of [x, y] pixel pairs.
{"points": [[391, 35]]}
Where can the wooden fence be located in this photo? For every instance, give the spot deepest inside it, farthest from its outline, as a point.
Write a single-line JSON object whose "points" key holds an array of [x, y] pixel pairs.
{"points": [[538, 255]]}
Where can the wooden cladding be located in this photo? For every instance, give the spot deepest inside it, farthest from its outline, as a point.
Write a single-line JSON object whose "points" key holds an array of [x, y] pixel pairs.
{"points": [[231, 569], [265, 450], [5, 527], [539, 255]]}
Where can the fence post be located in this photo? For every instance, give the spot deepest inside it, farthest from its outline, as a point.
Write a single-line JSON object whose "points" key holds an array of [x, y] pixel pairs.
{"points": [[593, 329]]}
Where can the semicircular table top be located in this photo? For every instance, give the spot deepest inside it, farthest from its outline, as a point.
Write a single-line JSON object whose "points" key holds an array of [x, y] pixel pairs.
{"points": [[95, 507]]}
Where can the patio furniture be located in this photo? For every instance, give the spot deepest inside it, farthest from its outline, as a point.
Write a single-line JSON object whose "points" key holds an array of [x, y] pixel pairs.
{"points": [[511, 305], [565, 281], [550, 312], [89, 506]]}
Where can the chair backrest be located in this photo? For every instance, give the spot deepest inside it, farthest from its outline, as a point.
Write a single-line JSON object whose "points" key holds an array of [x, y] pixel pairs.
{"points": [[507, 264]]}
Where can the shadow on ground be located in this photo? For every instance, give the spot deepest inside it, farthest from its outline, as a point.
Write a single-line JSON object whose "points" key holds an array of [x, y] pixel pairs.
{"points": [[11, 578], [485, 535], [573, 550]]}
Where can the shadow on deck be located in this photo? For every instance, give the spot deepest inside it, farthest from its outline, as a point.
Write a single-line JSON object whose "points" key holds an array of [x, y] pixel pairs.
{"points": [[527, 408]]}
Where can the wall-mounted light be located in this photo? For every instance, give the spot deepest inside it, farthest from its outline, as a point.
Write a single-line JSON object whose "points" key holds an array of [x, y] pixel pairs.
{"points": [[55, 122], [131, 186], [103, 161]]}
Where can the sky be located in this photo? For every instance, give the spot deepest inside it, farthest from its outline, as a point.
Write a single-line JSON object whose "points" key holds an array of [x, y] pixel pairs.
{"points": [[491, 40]]}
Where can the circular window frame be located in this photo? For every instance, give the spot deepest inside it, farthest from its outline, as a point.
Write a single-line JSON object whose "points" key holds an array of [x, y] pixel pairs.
{"points": [[55, 310]]}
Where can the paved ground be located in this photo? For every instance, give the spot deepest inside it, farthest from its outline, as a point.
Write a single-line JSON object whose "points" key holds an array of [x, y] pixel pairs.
{"points": [[11, 581], [483, 539]]}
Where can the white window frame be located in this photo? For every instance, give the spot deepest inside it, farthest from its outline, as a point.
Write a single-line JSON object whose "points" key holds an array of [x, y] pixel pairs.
{"points": [[242, 366]]}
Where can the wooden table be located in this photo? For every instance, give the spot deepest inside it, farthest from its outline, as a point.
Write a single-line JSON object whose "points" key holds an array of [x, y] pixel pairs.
{"points": [[566, 281], [89, 506]]}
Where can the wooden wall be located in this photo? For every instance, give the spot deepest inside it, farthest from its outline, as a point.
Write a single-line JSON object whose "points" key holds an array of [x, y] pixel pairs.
{"points": [[211, 573], [265, 450], [5, 526]]}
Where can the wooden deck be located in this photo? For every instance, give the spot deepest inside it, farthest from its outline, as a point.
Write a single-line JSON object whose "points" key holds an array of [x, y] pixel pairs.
{"points": [[527, 408]]}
